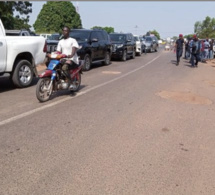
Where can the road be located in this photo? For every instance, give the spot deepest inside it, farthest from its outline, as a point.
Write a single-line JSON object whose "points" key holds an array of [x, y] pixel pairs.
{"points": [[140, 127]]}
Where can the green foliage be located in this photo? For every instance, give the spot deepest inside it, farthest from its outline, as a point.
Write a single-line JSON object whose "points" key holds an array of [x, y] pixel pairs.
{"points": [[154, 32], [188, 36], [174, 38], [7, 10], [206, 28], [107, 29], [97, 27], [55, 15]]}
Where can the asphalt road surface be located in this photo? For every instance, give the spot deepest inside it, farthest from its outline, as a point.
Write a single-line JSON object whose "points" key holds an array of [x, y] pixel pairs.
{"points": [[140, 127]]}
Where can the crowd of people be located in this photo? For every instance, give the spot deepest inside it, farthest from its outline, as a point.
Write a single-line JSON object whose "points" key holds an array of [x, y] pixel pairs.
{"points": [[195, 49]]}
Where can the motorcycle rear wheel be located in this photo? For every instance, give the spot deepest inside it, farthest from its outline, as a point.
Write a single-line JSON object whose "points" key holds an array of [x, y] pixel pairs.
{"points": [[42, 92], [76, 83]]}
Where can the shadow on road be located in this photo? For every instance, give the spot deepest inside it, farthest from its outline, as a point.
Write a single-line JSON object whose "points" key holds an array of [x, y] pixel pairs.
{"points": [[7, 85], [188, 64], [173, 62], [65, 93]]}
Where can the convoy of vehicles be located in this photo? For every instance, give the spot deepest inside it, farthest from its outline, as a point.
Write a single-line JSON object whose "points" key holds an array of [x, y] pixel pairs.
{"points": [[21, 55], [95, 46]]}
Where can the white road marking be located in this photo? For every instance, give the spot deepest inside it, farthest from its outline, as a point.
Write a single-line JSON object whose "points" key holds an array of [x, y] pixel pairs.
{"points": [[9, 120], [111, 72]]}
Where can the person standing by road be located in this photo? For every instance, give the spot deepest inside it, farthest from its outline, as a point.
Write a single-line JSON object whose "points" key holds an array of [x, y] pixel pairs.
{"points": [[187, 49], [211, 52], [206, 50], [179, 48], [195, 54], [202, 51]]}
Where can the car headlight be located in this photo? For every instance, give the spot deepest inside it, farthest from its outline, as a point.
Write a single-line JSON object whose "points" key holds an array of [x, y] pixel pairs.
{"points": [[120, 45]]}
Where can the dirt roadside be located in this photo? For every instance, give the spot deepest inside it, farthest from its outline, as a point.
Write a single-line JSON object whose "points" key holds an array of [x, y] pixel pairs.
{"points": [[197, 88]]}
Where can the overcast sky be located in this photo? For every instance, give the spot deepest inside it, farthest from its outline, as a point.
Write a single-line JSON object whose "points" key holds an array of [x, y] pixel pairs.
{"points": [[168, 18]]}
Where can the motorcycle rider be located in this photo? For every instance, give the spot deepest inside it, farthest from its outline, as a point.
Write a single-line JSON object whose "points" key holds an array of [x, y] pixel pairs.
{"points": [[69, 47]]}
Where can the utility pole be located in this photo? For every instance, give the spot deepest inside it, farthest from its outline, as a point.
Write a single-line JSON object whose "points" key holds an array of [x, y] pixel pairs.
{"points": [[136, 29], [77, 7]]}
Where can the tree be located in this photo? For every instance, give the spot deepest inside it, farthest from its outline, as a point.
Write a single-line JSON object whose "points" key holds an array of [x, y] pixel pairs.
{"points": [[56, 14], [206, 28], [188, 36], [174, 38], [7, 10], [107, 29], [154, 32]]}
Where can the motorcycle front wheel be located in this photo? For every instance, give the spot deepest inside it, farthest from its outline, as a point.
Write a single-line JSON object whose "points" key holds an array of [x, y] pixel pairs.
{"points": [[42, 92], [76, 83]]}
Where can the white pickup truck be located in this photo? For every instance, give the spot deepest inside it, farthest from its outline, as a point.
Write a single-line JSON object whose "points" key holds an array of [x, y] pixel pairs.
{"points": [[19, 56]]}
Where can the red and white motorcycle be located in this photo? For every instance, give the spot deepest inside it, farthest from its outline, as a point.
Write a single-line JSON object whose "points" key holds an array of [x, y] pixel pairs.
{"points": [[54, 79]]}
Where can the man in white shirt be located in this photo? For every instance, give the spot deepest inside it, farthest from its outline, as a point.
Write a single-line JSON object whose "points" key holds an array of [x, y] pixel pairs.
{"points": [[69, 47]]}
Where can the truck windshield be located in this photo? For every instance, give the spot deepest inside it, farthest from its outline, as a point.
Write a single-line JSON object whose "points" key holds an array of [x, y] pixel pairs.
{"points": [[54, 37], [80, 35], [116, 37]]}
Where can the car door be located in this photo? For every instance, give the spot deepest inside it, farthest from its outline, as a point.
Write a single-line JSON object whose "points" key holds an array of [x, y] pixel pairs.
{"points": [[133, 44], [3, 48], [151, 42], [94, 42], [129, 45], [154, 44], [102, 45]]}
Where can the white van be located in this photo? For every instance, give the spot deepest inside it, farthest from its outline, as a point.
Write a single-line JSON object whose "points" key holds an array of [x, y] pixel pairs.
{"points": [[45, 35]]}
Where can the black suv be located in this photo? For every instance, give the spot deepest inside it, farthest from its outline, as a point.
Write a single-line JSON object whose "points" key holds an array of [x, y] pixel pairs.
{"points": [[95, 46], [123, 45], [52, 42]]}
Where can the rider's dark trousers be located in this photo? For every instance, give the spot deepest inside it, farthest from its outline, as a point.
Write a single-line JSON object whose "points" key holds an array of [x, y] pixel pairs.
{"points": [[178, 54]]}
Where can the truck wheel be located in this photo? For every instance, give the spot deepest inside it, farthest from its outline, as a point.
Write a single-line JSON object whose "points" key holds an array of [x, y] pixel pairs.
{"points": [[87, 62], [150, 50], [22, 74], [107, 58], [133, 54], [124, 55]]}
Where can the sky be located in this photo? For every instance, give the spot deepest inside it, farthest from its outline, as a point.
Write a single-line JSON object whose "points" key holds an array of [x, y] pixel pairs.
{"points": [[168, 18]]}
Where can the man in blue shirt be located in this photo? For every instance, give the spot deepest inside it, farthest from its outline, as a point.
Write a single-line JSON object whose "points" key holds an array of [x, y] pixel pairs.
{"points": [[195, 51], [179, 48]]}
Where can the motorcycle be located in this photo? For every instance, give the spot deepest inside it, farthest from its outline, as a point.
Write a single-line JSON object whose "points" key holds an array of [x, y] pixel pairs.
{"points": [[54, 79]]}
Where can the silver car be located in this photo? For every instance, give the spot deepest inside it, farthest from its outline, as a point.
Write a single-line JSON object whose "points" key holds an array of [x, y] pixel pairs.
{"points": [[138, 45], [151, 43]]}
